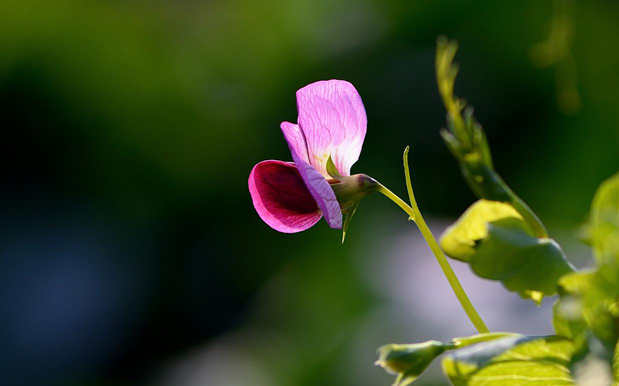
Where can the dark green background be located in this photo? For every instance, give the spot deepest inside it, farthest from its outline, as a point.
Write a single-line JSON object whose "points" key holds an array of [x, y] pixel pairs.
{"points": [[129, 246]]}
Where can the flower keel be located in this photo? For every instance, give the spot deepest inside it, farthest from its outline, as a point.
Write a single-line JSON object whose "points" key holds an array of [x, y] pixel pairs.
{"points": [[281, 197]]}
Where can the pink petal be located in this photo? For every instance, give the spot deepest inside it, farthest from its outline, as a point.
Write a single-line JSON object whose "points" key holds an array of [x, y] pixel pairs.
{"points": [[296, 139], [316, 183], [281, 198], [332, 117]]}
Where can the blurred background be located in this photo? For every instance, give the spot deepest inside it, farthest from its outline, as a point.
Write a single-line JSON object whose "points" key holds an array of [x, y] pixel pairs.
{"points": [[130, 252]]}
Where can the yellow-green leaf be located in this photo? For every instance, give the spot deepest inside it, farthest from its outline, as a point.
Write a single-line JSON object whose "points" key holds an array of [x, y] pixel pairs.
{"points": [[534, 361], [459, 240], [499, 245], [523, 263]]}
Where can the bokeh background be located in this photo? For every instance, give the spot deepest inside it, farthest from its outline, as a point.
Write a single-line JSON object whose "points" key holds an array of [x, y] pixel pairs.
{"points": [[130, 253]]}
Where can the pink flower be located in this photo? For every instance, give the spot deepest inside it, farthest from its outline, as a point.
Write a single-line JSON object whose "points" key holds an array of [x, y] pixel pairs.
{"points": [[292, 197]]}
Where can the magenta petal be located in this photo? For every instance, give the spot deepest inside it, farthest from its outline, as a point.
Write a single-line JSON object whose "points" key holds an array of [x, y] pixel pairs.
{"points": [[317, 185], [281, 197], [333, 120]]}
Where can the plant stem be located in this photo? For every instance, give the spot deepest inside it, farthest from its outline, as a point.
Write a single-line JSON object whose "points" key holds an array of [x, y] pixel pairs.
{"points": [[416, 216], [528, 215], [469, 340], [399, 202]]}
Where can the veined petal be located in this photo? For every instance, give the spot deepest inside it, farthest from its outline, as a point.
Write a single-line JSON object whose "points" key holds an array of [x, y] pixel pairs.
{"points": [[333, 120], [317, 185], [296, 139], [282, 198]]}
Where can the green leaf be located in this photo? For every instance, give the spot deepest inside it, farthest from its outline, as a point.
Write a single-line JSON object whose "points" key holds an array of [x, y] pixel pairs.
{"points": [[523, 263], [543, 361], [587, 310], [605, 220], [587, 313], [567, 317], [576, 283], [459, 240], [499, 245], [600, 309]]}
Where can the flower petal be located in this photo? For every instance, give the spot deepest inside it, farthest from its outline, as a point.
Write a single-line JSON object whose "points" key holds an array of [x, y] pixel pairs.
{"points": [[333, 120], [317, 185], [281, 198], [296, 139]]}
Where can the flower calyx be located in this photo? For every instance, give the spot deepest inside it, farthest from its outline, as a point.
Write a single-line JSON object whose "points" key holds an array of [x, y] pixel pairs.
{"points": [[349, 191]]}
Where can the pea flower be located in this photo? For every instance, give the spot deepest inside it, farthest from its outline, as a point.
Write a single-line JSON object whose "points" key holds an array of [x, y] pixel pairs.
{"points": [[292, 196]]}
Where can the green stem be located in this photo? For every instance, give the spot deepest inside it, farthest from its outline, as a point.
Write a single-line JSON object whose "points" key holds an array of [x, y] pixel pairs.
{"points": [[469, 340], [416, 216], [399, 202], [528, 215], [440, 257]]}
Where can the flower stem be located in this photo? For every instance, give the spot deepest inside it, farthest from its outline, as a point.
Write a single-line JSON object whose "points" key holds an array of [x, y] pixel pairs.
{"points": [[416, 216]]}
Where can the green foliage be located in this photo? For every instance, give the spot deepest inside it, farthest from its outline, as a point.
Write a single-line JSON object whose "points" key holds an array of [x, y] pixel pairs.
{"points": [[587, 310], [587, 314], [408, 361], [600, 305], [499, 245], [459, 240], [512, 361], [605, 220], [595, 293], [465, 138], [467, 141], [523, 263], [499, 236], [567, 313], [502, 239]]}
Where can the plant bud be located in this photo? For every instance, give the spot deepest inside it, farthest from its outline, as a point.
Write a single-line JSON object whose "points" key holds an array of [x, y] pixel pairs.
{"points": [[408, 361]]}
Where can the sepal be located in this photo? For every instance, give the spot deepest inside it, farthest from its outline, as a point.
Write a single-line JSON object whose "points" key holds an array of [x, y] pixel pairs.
{"points": [[349, 191]]}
